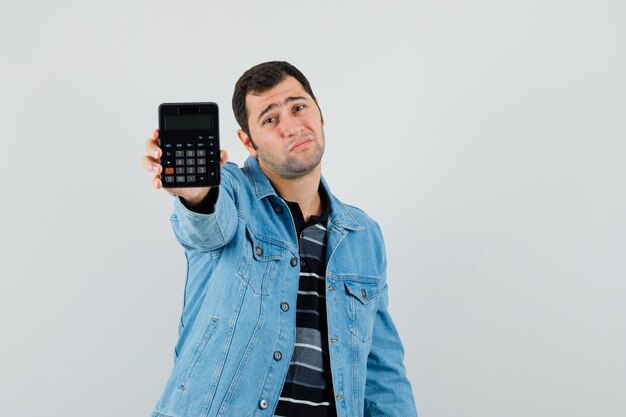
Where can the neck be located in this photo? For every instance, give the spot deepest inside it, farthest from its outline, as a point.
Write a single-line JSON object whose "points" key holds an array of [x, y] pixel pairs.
{"points": [[302, 190]]}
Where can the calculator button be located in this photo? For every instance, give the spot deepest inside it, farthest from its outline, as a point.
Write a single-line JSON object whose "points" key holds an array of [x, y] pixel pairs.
{"points": [[168, 145], [200, 137], [191, 178], [180, 178], [169, 171], [169, 154], [190, 153], [191, 170], [202, 178], [178, 145], [169, 179], [189, 145], [180, 170], [168, 162], [179, 154], [201, 170], [212, 152], [190, 161], [201, 153], [180, 162], [211, 144], [201, 161], [200, 145]]}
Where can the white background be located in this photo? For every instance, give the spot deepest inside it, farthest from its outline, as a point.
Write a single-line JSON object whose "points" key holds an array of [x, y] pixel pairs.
{"points": [[486, 137]]}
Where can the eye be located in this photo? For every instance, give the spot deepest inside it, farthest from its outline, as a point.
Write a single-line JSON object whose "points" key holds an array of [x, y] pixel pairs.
{"points": [[269, 120], [299, 107]]}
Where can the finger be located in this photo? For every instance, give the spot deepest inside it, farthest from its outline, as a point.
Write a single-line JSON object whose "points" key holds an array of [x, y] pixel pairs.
{"points": [[155, 135], [223, 157], [151, 165], [152, 149]]}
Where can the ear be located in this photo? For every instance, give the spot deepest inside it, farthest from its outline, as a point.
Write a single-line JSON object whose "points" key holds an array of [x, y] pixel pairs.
{"points": [[246, 142]]}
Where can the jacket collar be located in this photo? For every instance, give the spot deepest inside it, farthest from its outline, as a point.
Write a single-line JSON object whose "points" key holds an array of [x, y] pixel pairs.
{"points": [[339, 213], [260, 183]]}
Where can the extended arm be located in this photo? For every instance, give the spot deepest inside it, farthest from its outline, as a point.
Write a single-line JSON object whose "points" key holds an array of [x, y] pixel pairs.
{"points": [[201, 231], [201, 220]]}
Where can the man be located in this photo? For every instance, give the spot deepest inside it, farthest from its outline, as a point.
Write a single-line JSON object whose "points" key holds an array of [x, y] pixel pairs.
{"points": [[285, 310]]}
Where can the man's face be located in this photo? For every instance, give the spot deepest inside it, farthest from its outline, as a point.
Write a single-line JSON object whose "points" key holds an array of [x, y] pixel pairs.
{"points": [[286, 127]]}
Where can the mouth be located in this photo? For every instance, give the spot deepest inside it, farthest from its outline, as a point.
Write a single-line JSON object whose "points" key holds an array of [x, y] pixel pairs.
{"points": [[299, 144]]}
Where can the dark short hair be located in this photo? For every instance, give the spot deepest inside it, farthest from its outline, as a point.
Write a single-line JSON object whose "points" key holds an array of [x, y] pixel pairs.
{"points": [[261, 78]]}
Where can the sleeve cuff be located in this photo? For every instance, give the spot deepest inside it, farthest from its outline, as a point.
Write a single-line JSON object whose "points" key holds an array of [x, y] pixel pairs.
{"points": [[207, 205]]}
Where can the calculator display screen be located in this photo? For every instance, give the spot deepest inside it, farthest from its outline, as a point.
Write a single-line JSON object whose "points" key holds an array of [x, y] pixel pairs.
{"points": [[189, 122]]}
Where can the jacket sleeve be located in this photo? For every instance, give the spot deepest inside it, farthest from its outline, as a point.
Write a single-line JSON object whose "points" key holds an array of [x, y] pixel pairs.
{"points": [[388, 392], [207, 232]]}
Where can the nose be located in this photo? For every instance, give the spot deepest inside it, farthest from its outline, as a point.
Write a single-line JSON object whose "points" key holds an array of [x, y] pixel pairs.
{"points": [[291, 125]]}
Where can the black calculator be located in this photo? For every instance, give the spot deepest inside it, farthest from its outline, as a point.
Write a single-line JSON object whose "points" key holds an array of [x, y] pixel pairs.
{"points": [[189, 139]]}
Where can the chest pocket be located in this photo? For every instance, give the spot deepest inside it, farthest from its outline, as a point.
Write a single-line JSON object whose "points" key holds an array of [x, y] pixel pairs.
{"points": [[259, 262], [362, 306]]}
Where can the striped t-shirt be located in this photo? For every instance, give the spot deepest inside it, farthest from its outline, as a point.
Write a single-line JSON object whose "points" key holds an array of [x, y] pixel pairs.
{"points": [[308, 388]]}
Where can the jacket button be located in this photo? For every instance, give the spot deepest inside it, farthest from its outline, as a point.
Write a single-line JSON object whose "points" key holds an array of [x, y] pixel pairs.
{"points": [[294, 261], [284, 306], [259, 251], [278, 209], [278, 356], [263, 404]]}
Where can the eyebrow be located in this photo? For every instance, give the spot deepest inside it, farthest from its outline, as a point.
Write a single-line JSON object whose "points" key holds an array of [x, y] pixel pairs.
{"points": [[287, 100]]}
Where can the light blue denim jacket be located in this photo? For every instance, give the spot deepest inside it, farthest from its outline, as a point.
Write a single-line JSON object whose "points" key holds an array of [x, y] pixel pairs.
{"points": [[240, 299]]}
